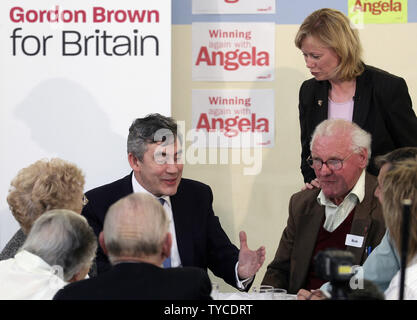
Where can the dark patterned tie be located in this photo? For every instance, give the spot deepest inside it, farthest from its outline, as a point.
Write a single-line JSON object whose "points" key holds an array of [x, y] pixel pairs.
{"points": [[167, 261]]}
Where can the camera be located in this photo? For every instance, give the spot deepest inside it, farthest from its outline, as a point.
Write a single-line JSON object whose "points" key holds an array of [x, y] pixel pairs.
{"points": [[335, 266]]}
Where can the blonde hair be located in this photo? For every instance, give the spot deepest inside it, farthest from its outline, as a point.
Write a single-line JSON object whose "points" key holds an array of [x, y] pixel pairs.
{"points": [[45, 185], [334, 30], [400, 183]]}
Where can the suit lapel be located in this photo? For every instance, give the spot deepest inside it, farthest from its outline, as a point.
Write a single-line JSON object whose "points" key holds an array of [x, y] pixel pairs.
{"points": [[183, 225], [321, 102], [308, 230], [362, 97], [362, 220]]}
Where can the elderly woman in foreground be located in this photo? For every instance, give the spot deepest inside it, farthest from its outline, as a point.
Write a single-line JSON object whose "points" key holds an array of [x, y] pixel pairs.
{"points": [[44, 185]]}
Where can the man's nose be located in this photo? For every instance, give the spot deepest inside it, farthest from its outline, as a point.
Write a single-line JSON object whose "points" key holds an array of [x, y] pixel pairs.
{"points": [[172, 168], [325, 170]]}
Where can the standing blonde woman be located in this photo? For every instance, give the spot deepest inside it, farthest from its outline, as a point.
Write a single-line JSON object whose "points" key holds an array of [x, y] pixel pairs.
{"points": [[44, 185], [344, 87]]}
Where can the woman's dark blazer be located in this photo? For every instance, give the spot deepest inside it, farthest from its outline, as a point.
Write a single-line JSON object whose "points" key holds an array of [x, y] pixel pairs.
{"points": [[382, 107]]}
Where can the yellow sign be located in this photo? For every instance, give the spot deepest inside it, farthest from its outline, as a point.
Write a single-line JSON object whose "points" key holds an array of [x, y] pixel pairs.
{"points": [[377, 11], [345, 269]]}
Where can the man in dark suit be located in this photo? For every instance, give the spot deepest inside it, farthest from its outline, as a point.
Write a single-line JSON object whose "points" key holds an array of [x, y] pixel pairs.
{"points": [[136, 239], [343, 214], [154, 155]]}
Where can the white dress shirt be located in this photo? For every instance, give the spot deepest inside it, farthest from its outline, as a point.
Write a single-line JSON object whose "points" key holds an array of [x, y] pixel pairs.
{"points": [[175, 256], [28, 277], [335, 215]]}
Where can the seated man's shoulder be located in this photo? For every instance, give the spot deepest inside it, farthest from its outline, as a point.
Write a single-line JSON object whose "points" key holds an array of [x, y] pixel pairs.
{"points": [[194, 271], [193, 185], [304, 202], [109, 187], [306, 196], [190, 274], [74, 290]]}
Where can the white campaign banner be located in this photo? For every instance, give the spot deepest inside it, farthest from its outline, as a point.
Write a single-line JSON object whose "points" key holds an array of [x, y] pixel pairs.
{"points": [[74, 75], [233, 6], [233, 118], [233, 51]]}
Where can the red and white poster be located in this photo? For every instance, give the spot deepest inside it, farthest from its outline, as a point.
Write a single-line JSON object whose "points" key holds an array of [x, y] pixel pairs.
{"points": [[233, 6], [233, 118], [233, 51]]}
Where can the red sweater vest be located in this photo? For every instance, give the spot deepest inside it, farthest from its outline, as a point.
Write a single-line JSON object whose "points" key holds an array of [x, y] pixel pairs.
{"points": [[327, 240]]}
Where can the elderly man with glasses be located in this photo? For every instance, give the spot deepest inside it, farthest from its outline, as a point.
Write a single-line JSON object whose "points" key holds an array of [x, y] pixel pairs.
{"points": [[342, 214]]}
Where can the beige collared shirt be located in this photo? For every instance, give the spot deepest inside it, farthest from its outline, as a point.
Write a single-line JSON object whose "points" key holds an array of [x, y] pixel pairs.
{"points": [[335, 215]]}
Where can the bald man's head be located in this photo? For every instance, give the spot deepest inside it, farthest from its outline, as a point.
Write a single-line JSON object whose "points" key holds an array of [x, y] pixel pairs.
{"points": [[135, 226]]}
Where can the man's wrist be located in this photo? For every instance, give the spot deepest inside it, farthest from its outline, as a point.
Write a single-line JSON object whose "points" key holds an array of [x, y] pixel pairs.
{"points": [[242, 284]]}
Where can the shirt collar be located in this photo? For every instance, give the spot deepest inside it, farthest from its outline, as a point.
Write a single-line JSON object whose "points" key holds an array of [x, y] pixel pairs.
{"points": [[29, 261], [137, 187], [358, 191]]}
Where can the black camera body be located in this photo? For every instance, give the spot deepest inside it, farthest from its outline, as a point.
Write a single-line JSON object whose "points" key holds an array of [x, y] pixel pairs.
{"points": [[335, 266]]}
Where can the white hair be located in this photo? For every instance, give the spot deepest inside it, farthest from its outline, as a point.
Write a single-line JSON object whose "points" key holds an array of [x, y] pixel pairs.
{"points": [[360, 139], [135, 226], [62, 238]]}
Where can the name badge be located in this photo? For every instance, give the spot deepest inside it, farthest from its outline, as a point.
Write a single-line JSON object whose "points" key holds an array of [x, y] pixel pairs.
{"points": [[354, 241]]}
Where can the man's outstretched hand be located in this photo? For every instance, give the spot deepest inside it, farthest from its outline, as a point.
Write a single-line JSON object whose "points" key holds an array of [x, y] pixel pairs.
{"points": [[250, 261]]}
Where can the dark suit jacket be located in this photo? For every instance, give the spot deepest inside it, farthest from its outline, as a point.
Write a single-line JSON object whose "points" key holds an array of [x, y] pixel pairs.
{"points": [[291, 264], [140, 281], [382, 107], [200, 237]]}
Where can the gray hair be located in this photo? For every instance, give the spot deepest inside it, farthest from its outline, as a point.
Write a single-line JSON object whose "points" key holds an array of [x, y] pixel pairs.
{"points": [[360, 139], [151, 129], [396, 155], [62, 238], [135, 226]]}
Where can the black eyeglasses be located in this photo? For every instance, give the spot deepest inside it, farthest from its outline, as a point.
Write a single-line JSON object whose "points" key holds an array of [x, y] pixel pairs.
{"points": [[332, 164]]}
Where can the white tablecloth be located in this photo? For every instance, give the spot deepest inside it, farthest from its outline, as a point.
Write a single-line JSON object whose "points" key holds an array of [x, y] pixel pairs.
{"points": [[249, 296]]}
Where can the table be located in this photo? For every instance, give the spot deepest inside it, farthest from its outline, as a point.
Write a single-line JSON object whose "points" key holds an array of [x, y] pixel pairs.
{"points": [[248, 296]]}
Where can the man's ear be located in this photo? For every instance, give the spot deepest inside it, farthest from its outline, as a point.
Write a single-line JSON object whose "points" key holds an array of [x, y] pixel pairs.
{"points": [[166, 246], [363, 158], [133, 162], [80, 275], [101, 242]]}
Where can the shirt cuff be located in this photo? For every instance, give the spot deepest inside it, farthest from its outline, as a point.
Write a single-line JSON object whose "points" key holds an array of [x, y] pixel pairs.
{"points": [[242, 284], [325, 289]]}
